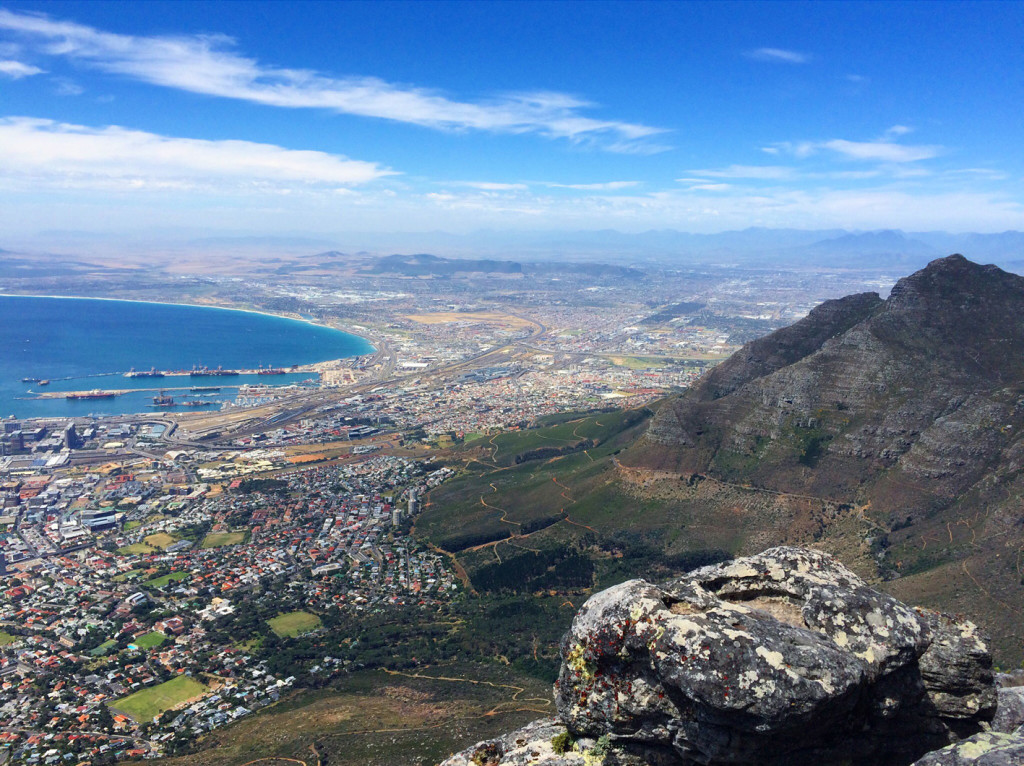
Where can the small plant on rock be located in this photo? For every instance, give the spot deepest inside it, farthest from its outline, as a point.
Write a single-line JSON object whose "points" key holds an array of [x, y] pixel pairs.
{"points": [[562, 743]]}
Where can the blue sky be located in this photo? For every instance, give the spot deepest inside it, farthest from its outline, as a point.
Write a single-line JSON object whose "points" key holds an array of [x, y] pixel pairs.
{"points": [[326, 118]]}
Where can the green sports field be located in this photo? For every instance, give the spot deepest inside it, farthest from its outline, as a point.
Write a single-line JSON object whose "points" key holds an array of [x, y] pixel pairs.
{"points": [[147, 704], [160, 582], [150, 640], [220, 539], [294, 624]]}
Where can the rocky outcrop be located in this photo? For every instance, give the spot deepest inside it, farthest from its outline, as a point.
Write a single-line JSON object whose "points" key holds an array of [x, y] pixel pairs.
{"points": [[786, 657], [986, 749], [534, 744], [781, 659], [1010, 711]]}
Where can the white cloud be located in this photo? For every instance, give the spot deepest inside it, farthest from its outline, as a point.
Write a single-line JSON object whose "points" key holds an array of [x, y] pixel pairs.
{"points": [[488, 185], [66, 87], [898, 130], [773, 172], [16, 69], [207, 64], [879, 151], [709, 187], [778, 54], [884, 151], [715, 207], [986, 173], [51, 154], [606, 186]]}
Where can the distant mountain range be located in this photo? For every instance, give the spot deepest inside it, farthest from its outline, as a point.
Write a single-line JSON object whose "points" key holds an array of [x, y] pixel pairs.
{"points": [[790, 248], [753, 247]]}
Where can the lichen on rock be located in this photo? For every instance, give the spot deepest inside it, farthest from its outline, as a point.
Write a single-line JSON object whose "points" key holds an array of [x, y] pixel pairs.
{"points": [[782, 659], [786, 657]]}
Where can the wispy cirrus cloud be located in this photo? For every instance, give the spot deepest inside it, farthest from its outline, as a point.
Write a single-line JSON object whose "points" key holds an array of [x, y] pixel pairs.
{"points": [[487, 185], [17, 69], [883, 150], [769, 172], [778, 55], [605, 186], [209, 65], [50, 154], [896, 130]]}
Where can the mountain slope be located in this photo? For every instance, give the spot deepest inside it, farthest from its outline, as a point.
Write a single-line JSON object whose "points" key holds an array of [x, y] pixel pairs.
{"points": [[910, 410]]}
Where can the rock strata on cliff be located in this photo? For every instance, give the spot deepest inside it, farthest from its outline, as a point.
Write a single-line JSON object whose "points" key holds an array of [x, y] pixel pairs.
{"points": [[785, 658]]}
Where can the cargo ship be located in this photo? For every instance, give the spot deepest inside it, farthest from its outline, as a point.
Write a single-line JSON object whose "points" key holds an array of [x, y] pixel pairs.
{"points": [[270, 371], [200, 389], [30, 380], [204, 373], [94, 394], [163, 400], [152, 373]]}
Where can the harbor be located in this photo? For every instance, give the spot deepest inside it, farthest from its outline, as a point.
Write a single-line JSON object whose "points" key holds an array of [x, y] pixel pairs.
{"points": [[98, 393]]}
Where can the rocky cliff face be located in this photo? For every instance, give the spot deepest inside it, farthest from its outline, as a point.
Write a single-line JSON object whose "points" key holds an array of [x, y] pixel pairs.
{"points": [[910, 385], [785, 658], [910, 409]]}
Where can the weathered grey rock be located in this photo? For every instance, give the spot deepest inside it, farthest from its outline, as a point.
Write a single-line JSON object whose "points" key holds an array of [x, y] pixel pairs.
{"points": [[782, 658], [1010, 710], [533, 744], [986, 749]]}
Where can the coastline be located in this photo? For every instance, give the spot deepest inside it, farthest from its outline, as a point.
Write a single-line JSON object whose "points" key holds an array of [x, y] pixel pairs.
{"points": [[368, 341]]}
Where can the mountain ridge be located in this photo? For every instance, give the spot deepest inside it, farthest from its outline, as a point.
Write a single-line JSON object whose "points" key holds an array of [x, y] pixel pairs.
{"points": [[909, 410]]}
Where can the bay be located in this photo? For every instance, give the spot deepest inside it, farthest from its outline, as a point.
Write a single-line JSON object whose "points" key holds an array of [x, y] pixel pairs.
{"points": [[87, 343]]}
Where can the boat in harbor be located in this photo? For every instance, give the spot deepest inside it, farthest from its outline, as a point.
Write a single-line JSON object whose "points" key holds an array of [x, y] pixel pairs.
{"points": [[195, 403], [206, 372], [270, 371], [94, 394], [151, 373], [202, 389], [163, 400]]}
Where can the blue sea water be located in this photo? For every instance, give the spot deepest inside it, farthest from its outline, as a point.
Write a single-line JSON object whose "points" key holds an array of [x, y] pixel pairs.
{"points": [[81, 344]]}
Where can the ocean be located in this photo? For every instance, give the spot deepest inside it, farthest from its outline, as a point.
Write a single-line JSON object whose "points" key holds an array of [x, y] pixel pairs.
{"points": [[80, 344]]}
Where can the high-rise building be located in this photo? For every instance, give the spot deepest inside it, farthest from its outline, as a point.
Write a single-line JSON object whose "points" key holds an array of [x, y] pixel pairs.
{"points": [[70, 436]]}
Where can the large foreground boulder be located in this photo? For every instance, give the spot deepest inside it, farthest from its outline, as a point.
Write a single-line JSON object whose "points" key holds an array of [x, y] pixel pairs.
{"points": [[784, 658]]}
